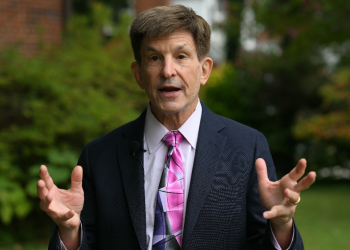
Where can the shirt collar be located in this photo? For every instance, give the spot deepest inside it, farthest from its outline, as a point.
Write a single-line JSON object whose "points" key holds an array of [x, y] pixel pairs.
{"points": [[155, 131]]}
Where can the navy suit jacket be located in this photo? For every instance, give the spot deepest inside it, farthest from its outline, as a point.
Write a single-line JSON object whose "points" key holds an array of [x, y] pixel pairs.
{"points": [[224, 210]]}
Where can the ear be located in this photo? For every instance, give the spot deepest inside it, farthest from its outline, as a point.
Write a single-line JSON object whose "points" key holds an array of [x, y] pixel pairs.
{"points": [[136, 71], [207, 65]]}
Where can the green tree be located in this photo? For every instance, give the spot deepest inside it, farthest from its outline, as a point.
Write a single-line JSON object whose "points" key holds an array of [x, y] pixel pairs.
{"points": [[315, 31], [232, 28], [328, 131], [299, 44], [54, 103]]}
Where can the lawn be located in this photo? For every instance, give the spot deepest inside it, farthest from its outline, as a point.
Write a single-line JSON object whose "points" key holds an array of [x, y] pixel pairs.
{"points": [[323, 219]]}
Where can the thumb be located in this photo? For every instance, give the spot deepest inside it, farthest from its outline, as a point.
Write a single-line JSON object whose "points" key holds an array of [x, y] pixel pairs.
{"points": [[77, 178], [261, 170]]}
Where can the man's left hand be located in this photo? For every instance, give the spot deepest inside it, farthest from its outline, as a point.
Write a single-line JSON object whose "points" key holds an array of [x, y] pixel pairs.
{"points": [[280, 197]]}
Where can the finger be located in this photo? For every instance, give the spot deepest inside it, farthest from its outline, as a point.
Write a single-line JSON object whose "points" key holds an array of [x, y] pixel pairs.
{"points": [[57, 217], [45, 203], [261, 170], [306, 182], [45, 176], [292, 196], [77, 178], [280, 211], [298, 171], [41, 189], [64, 217]]}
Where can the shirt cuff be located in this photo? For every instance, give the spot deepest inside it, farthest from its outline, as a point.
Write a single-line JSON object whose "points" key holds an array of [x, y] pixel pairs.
{"points": [[274, 241], [63, 247]]}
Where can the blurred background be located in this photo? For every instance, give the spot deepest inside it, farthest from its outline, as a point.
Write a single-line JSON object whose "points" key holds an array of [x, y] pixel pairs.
{"points": [[282, 67]]}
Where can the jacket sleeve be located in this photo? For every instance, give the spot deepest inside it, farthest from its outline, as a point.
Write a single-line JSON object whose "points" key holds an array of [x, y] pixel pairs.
{"points": [[258, 229]]}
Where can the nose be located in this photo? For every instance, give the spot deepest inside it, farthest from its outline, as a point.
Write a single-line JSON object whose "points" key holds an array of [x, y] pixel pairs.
{"points": [[169, 69]]}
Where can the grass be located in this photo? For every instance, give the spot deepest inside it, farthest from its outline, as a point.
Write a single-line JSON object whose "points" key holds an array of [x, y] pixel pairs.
{"points": [[322, 217]]}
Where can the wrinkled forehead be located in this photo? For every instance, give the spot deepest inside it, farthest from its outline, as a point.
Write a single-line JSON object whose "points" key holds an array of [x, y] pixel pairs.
{"points": [[178, 39]]}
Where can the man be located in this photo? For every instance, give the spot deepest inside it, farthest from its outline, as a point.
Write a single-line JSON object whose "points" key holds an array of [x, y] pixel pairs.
{"points": [[221, 169]]}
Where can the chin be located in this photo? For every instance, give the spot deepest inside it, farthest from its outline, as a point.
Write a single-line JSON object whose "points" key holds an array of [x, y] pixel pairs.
{"points": [[173, 109], [170, 111]]}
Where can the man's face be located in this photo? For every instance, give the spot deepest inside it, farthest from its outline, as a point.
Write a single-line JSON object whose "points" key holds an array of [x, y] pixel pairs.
{"points": [[171, 73]]}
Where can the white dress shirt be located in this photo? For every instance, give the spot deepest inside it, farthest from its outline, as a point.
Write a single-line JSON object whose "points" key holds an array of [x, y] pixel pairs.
{"points": [[154, 160]]}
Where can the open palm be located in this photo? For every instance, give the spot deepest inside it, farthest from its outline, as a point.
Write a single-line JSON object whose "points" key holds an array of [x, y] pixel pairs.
{"points": [[63, 206], [278, 197]]}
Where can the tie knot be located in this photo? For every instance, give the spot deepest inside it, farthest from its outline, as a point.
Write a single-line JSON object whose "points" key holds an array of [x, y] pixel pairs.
{"points": [[173, 138]]}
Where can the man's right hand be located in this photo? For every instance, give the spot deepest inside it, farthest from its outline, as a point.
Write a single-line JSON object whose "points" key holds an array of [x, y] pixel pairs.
{"points": [[63, 206]]}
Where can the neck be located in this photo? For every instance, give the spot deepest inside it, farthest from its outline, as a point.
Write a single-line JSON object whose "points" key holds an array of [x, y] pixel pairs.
{"points": [[173, 121]]}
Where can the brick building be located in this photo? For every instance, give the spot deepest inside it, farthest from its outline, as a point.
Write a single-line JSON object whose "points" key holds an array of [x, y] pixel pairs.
{"points": [[141, 5], [30, 24]]}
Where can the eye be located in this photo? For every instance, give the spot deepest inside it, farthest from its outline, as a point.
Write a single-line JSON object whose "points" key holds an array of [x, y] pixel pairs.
{"points": [[154, 58], [181, 57]]}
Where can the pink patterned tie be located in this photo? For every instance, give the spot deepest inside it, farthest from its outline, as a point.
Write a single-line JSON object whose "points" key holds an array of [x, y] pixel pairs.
{"points": [[170, 199]]}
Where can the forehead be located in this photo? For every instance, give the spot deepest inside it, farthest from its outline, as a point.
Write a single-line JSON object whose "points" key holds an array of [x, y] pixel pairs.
{"points": [[176, 40]]}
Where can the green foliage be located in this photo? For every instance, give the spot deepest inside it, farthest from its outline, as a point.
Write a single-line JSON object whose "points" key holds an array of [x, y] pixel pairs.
{"points": [[271, 89], [13, 200], [335, 123], [85, 7], [228, 95], [328, 130], [307, 23], [54, 103], [311, 34]]}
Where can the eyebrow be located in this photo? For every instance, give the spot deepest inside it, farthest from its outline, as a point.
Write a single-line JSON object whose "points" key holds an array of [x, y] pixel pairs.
{"points": [[149, 48], [179, 47]]}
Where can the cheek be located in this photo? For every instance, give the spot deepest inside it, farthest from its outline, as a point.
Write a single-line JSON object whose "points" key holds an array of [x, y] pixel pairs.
{"points": [[198, 72], [196, 80], [151, 76]]}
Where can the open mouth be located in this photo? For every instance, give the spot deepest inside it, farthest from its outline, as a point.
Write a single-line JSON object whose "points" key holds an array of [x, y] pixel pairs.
{"points": [[169, 89]]}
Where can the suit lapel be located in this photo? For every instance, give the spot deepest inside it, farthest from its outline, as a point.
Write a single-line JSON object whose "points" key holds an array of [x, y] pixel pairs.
{"points": [[208, 152], [133, 176]]}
